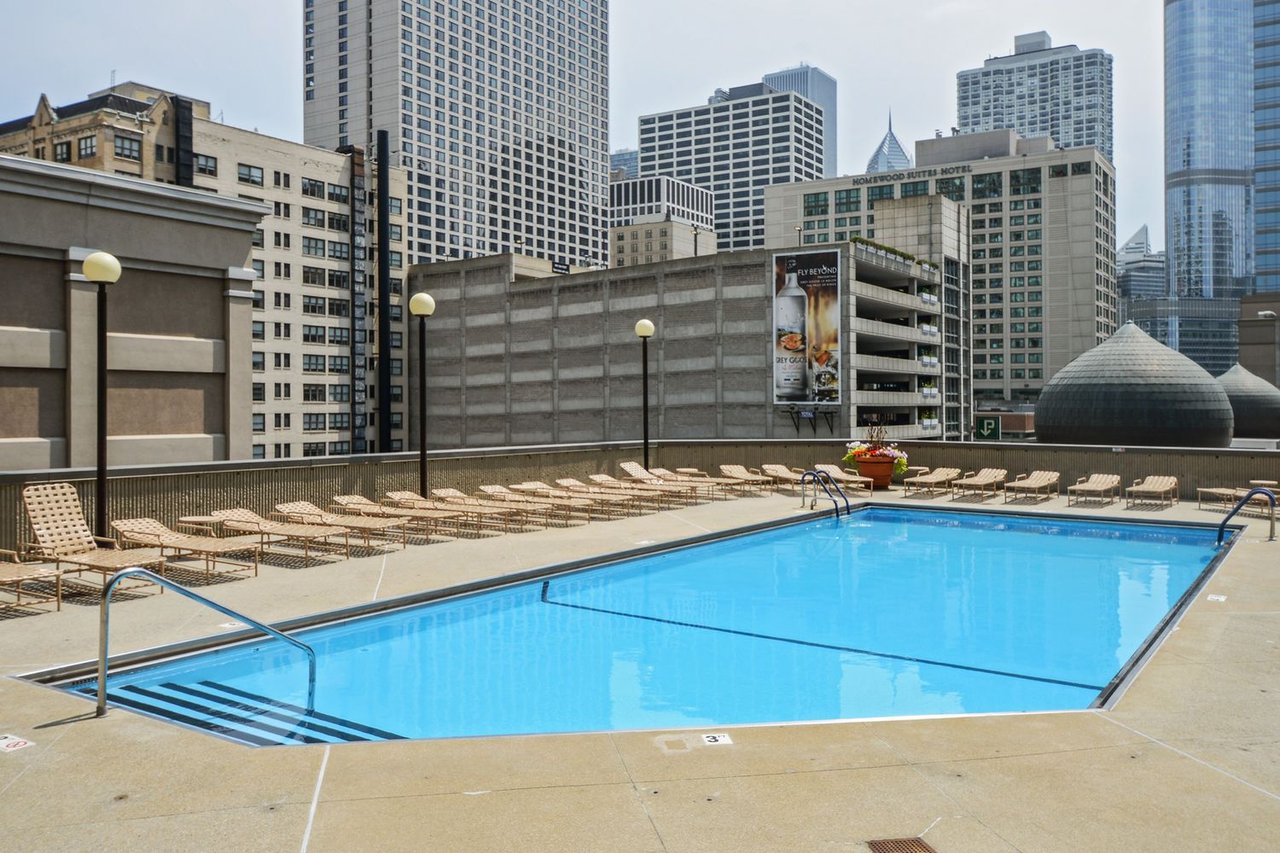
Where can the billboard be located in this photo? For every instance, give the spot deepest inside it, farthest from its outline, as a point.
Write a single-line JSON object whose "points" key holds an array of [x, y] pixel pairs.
{"points": [[806, 328]]}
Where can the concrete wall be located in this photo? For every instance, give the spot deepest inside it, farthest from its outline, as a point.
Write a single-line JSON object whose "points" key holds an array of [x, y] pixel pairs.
{"points": [[177, 321]]}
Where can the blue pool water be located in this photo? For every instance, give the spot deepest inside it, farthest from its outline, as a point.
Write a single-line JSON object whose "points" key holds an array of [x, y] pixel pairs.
{"points": [[887, 612]]}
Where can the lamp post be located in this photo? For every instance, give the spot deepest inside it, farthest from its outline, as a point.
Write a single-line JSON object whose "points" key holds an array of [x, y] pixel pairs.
{"points": [[798, 230], [696, 230], [102, 269], [644, 331], [519, 241], [422, 306]]}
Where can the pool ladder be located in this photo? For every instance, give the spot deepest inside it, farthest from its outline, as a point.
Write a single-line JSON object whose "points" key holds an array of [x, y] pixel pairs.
{"points": [[1240, 504], [104, 630], [822, 478]]}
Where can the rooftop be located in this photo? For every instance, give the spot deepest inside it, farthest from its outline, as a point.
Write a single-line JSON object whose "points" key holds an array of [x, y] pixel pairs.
{"points": [[1188, 759]]}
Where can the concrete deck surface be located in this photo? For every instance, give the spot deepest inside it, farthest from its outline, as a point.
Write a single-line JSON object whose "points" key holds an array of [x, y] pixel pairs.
{"points": [[1189, 759]]}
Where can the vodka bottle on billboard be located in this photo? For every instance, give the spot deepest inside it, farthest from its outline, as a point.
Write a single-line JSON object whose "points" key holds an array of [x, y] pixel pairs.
{"points": [[790, 361]]}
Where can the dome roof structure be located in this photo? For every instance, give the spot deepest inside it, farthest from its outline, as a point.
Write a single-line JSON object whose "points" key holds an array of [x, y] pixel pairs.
{"points": [[1133, 390], [1255, 402]]}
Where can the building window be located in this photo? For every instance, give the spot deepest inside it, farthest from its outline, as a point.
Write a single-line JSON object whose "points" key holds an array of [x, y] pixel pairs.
{"points": [[259, 392], [989, 185], [313, 275], [340, 335], [128, 148], [259, 330], [339, 251], [1025, 181], [312, 393], [313, 334], [339, 364], [339, 193], [259, 268], [87, 147], [313, 448], [62, 152], [875, 194], [247, 174], [340, 448], [282, 451], [313, 216], [340, 279], [952, 188], [339, 222], [816, 204], [313, 246], [1058, 170], [340, 420], [259, 451], [284, 390], [313, 422], [339, 393], [259, 423], [311, 188], [206, 165], [915, 188], [1084, 167], [313, 364]]}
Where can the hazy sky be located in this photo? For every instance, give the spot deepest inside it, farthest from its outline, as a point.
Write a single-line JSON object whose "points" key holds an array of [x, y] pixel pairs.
{"points": [[245, 57]]}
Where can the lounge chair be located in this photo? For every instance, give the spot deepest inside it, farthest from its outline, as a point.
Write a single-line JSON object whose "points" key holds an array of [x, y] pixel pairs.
{"points": [[1035, 484], [642, 498], [1094, 487], [425, 521], [601, 505], [782, 476], [213, 549], [61, 534], [564, 509], [748, 475], [270, 531], [1217, 498], [13, 576], [485, 518], [846, 477], [640, 474], [982, 481], [1154, 489], [701, 479], [516, 516], [679, 492], [305, 512], [935, 481]]}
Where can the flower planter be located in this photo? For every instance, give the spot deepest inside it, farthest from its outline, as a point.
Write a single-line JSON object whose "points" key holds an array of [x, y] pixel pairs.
{"points": [[878, 468]]}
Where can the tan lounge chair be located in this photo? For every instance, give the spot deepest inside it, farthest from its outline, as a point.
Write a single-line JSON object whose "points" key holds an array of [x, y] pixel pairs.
{"points": [[937, 480], [63, 536], [1154, 489], [1101, 487], [782, 476], [1035, 484], [748, 475], [13, 576], [599, 505], [564, 509], [982, 481], [680, 492], [213, 549], [643, 498], [515, 516], [847, 477], [719, 485], [270, 531], [425, 521], [637, 472], [305, 512], [486, 518]]}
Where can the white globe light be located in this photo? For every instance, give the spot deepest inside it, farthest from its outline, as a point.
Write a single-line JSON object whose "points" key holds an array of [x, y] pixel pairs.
{"points": [[101, 267], [422, 305], [644, 329]]}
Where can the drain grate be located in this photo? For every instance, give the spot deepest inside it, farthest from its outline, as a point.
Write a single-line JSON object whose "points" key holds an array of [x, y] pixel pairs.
{"points": [[900, 845]]}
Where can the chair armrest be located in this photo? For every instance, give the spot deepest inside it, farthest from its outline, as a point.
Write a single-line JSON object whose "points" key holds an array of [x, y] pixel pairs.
{"points": [[755, 471], [796, 470], [967, 474], [16, 556], [1080, 480], [106, 540], [1019, 477]]}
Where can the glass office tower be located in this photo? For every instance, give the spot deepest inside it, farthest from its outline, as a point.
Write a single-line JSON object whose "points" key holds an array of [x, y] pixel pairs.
{"points": [[1266, 152], [1208, 61]]}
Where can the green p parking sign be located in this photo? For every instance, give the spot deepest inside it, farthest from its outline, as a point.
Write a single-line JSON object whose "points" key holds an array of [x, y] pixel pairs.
{"points": [[986, 427]]}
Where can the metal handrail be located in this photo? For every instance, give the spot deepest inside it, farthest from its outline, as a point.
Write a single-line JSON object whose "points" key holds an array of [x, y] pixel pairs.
{"points": [[1240, 504], [817, 477], [104, 630]]}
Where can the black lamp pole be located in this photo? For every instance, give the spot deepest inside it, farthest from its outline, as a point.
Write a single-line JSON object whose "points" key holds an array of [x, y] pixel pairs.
{"points": [[644, 331], [102, 269], [100, 492], [422, 306]]}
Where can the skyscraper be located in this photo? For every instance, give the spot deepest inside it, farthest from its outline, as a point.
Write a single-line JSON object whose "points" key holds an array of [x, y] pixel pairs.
{"points": [[1266, 152], [499, 112], [819, 87], [1209, 145], [1041, 90], [889, 155], [694, 144]]}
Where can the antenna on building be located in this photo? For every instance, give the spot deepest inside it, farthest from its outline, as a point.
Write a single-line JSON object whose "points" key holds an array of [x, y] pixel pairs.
{"points": [[113, 78], [219, 116]]}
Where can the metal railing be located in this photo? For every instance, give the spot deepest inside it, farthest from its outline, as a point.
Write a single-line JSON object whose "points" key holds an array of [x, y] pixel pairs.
{"points": [[821, 478], [104, 630], [1242, 503]]}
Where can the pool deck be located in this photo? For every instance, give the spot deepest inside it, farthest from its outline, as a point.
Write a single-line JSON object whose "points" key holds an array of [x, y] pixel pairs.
{"points": [[1189, 759]]}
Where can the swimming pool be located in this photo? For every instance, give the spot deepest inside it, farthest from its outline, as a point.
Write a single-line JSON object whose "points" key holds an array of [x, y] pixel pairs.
{"points": [[883, 613]]}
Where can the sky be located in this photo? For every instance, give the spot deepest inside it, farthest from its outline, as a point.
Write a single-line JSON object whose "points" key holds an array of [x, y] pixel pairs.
{"points": [[245, 57]]}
